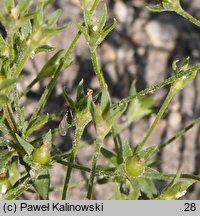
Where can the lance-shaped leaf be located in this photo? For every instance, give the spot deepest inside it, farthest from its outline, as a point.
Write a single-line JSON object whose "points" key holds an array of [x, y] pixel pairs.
{"points": [[110, 156], [180, 83], [5, 157], [44, 48], [101, 20], [22, 6], [80, 91], [87, 18], [3, 45], [176, 191], [7, 83], [38, 122], [42, 184], [26, 29], [25, 145], [83, 30], [53, 18], [8, 5], [147, 186], [106, 31], [127, 151], [69, 100]]}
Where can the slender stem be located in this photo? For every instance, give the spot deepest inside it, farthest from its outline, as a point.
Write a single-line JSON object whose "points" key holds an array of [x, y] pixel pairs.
{"points": [[94, 163], [158, 117], [189, 17], [9, 118], [157, 86], [97, 69], [76, 141], [179, 134], [28, 88], [52, 83]]}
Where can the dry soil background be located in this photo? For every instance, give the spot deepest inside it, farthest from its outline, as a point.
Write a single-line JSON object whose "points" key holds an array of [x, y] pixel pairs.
{"points": [[142, 47]]}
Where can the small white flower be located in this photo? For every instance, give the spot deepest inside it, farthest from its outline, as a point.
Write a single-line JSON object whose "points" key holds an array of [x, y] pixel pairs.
{"points": [[95, 28]]}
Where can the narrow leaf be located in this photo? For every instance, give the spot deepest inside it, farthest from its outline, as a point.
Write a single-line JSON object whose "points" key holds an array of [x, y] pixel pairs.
{"points": [[38, 122], [110, 156], [5, 157], [44, 48], [42, 184], [25, 145], [23, 6], [53, 18], [101, 20], [7, 83]]}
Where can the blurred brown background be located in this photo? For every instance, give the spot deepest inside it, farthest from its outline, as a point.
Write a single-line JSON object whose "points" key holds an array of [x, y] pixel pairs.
{"points": [[142, 47]]}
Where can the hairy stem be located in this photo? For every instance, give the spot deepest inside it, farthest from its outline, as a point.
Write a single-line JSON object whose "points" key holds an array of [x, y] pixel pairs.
{"points": [[97, 70], [94, 164], [76, 141]]}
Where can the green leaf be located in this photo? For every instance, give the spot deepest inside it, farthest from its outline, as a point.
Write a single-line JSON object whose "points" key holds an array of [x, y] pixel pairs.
{"points": [[185, 64], [176, 191], [26, 29], [51, 66], [69, 100], [53, 18], [101, 20], [110, 156], [83, 30], [44, 48], [25, 145], [5, 157], [4, 142], [42, 184], [8, 5], [106, 31], [127, 151], [116, 194], [136, 189], [3, 99], [87, 18], [7, 83], [105, 102], [38, 122], [156, 8], [151, 173], [23, 6], [80, 91], [5, 129], [2, 45], [147, 153], [147, 187]]}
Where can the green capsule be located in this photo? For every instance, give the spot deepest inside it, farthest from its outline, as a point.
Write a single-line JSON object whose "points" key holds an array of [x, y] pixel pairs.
{"points": [[134, 166], [42, 155]]}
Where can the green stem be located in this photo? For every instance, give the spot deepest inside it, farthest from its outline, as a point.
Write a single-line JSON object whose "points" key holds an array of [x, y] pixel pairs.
{"points": [[97, 69], [76, 141], [94, 163], [157, 86], [179, 134], [187, 16], [52, 83], [29, 87], [158, 117]]}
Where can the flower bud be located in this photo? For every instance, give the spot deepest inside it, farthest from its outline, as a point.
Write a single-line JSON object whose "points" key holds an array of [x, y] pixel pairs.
{"points": [[134, 166]]}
